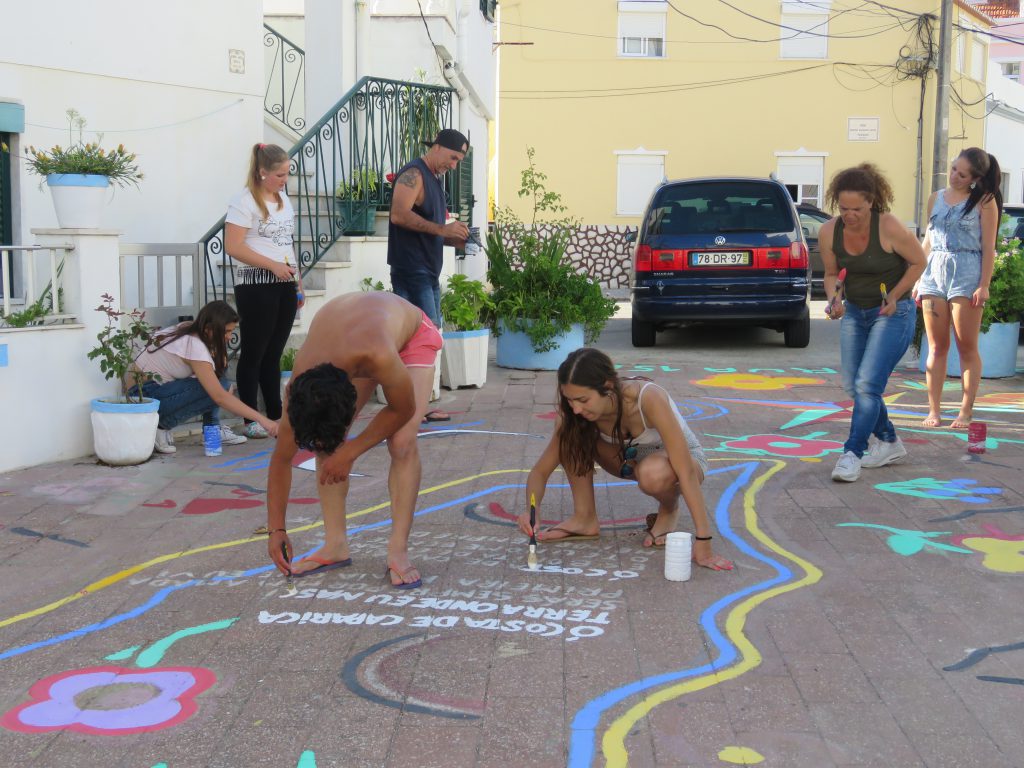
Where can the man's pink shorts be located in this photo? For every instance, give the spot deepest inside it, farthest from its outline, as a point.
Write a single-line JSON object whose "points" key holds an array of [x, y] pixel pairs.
{"points": [[421, 350]]}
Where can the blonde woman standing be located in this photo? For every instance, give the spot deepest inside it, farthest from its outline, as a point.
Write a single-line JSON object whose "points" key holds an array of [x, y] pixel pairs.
{"points": [[268, 287]]}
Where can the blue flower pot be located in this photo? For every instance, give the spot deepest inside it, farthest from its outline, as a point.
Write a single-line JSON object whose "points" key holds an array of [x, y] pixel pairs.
{"points": [[515, 350], [997, 347]]}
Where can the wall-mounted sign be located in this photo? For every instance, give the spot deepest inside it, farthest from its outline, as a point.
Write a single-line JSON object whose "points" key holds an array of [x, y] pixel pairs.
{"points": [[862, 129]]}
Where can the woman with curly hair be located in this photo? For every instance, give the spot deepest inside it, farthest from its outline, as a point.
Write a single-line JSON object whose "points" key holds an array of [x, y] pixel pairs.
{"points": [[882, 260], [633, 430], [960, 244]]}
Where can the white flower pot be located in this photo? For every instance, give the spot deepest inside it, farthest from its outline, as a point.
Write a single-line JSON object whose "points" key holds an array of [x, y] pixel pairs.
{"points": [[124, 433], [78, 198], [464, 358]]}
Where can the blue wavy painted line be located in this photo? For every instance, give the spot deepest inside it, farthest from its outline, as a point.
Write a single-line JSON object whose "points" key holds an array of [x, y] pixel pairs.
{"points": [[155, 600], [582, 745]]}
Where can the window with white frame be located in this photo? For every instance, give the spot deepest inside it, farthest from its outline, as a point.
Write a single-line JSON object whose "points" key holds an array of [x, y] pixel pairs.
{"points": [[978, 58], [960, 52], [1010, 69], [804, 29], [642, 29], [802, 175], [639, 172]]}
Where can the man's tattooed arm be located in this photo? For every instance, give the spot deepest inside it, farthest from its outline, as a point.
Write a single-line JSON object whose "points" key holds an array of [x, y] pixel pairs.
{"points": [[410, 178]]}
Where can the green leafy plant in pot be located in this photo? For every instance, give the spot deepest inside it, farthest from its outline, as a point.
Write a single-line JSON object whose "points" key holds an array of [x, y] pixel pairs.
{"points": [[123, 428], [1006, 291], [465, 304], [79, 174], [357, 202], [466, 310], [536, 291]]}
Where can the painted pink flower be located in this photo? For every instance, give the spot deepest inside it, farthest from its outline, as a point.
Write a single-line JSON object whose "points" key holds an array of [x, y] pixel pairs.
{"points": [[783, 445], [111, 701]]}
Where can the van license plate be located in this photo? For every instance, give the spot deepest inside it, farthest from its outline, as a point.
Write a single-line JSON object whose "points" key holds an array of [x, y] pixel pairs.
{"points": [[720, 259]]}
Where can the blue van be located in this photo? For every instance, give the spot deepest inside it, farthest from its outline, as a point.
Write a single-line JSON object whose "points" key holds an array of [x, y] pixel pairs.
{"points": [[721, 251]]}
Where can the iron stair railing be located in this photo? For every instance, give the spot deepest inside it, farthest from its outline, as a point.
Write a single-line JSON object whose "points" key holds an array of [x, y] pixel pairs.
{"points": [[285, 95], [341, 166]]}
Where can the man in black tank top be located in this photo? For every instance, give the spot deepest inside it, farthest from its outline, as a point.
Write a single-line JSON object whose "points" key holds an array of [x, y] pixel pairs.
{"points": [[417, 232]]}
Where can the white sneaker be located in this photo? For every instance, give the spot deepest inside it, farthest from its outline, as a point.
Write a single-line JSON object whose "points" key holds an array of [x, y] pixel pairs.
{"points": [[255, 431], [847, 469], [227, 437], [164, 442], [882, 453]]}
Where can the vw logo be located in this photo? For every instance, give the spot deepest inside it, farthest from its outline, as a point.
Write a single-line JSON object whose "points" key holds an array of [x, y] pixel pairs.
{"points": [[719, 240]]}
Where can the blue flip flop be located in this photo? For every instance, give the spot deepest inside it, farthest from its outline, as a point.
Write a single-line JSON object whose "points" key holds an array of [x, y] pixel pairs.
{"points": [[411, 585], [323, 565]]}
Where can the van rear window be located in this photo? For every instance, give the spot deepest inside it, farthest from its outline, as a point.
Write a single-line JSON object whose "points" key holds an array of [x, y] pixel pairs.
{"points": [[704, 208]]}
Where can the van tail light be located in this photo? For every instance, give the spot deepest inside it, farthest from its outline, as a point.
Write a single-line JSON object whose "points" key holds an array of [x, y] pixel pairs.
{"points": [[798, 255], [643, 259]]}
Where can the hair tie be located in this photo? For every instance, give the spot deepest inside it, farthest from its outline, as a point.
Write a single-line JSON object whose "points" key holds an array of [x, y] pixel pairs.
{"points": [[262, 146]]}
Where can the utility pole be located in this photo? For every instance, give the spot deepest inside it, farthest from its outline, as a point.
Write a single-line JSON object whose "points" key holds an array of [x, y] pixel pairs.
{"points": [[940, 161]]}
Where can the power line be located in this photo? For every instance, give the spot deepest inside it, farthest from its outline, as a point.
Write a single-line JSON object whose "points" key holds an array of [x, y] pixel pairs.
{"points": [[655, 89], [798, 32]]}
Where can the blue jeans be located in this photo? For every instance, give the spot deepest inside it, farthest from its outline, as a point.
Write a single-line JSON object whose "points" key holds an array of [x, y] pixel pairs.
{"points": [[871, 347], [182, 399], [422, 290]]}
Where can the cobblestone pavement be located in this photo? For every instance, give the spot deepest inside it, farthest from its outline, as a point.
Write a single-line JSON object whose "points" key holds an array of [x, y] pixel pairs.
{"points": [[877, 623]]}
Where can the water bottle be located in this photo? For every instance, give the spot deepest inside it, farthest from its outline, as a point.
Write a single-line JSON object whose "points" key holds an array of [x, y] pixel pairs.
{"points": [[977, 431], [211, 440]]}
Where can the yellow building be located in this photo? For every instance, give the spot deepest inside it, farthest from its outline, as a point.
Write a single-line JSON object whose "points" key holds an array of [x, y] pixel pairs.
{"points": [[616, 96]]}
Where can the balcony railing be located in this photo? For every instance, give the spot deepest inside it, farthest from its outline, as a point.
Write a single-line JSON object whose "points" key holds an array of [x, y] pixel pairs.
{"points": [[35, 263], [285, 96]]}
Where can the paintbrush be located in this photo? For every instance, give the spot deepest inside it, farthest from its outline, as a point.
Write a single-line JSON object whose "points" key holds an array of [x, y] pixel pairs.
{"points": [[288, 560], [838, 290], [885, 293], [531, 559]]}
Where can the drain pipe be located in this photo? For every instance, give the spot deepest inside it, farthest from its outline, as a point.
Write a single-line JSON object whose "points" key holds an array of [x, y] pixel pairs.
{"points": [[362, 39]]}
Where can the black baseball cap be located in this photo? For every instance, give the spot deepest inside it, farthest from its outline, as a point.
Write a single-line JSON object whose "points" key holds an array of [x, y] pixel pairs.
{"points": [[451, 139]]}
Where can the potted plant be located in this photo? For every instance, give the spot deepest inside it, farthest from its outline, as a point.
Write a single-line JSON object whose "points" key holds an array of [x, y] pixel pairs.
{"points": [[465, 309], [1000, 319], [543, 307], [357, 206], [124, 428], [79, 175]]}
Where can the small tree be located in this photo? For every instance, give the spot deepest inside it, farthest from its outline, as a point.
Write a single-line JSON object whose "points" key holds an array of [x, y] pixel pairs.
{"points": [[120, 344]]}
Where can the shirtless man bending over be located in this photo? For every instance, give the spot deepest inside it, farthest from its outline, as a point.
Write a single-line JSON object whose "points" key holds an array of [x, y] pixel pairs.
{"points": [[355, 342]]}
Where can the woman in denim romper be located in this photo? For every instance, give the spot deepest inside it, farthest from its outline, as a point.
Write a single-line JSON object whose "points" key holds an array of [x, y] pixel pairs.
{"points": [[876, 250], [961, 245]]}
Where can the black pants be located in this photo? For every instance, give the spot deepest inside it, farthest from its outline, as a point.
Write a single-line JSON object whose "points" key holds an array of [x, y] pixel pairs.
{"points": [[265, 313]]}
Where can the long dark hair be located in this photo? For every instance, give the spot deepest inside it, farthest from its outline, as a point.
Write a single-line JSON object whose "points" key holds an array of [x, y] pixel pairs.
{"points": [[577, 439], [210, 326], [988, 178]]}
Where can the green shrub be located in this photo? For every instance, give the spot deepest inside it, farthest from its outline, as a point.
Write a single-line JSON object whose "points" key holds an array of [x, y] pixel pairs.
{"points": [[535, 291]]}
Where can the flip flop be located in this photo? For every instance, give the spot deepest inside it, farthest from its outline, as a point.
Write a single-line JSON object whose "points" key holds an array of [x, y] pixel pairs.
{"points": [[570, 536], [323, 565], [404, 585], [437, 416], [651, 519]]}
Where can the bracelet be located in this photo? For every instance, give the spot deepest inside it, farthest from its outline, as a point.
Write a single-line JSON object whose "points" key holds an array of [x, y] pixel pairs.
{"points": [[271, 533], [698, 538]]}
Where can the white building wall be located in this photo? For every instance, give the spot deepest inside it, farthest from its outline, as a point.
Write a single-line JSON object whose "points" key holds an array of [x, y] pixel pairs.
{"points": [[1004, 129], [152, 76]]}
